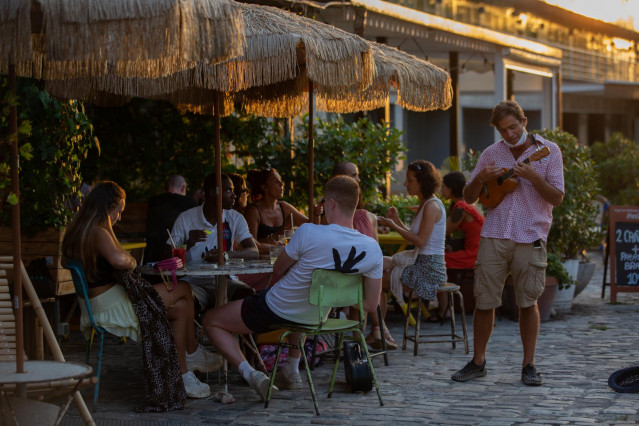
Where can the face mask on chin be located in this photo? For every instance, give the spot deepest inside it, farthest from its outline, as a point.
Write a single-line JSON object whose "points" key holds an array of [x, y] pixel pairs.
{"points": [[521, 140]]}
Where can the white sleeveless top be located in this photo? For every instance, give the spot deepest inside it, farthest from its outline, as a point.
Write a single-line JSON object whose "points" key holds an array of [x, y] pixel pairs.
{"points": [[436, 243]]}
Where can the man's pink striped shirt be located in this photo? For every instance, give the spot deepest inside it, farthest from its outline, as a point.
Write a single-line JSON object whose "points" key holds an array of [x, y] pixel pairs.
{"points": [[523, 216]]}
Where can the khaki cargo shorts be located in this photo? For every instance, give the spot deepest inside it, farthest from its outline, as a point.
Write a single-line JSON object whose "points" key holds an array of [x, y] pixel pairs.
{"points": [[496, 258]]}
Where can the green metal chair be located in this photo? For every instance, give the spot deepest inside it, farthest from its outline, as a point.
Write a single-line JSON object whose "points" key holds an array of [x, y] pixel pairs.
{"points": [[329, 289]]}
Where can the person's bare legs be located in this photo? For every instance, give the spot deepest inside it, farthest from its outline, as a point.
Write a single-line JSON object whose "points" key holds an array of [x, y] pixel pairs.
{"points": [[220, 324], [442, 301], [182, 292], [176, 313], [383, 304], [483, 322], [529, 330]]}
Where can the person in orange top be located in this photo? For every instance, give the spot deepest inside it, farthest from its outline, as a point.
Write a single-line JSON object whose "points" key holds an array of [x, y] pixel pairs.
{"points": [[464, 217], [461, 216]]}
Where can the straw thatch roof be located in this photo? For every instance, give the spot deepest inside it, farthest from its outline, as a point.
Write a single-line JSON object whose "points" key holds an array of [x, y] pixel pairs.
{"points": [[420, 85], [279, 44], [141, 38]]}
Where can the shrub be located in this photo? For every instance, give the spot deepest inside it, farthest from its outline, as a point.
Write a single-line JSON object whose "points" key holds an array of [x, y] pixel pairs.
{"points": [[60, 137], [617, 166], [574, 226]]}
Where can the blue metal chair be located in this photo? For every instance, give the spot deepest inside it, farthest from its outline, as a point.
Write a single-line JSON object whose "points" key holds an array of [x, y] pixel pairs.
{"points": [[82, 291]]}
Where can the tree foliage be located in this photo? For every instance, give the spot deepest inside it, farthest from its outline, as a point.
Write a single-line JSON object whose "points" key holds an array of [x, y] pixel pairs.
{"points": [[146, 141], [54, 139], [374, 147], [574, 225], [617, 166]]}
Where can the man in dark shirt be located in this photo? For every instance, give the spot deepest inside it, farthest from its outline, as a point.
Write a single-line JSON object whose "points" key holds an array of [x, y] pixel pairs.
{"points": [[161, 214]]}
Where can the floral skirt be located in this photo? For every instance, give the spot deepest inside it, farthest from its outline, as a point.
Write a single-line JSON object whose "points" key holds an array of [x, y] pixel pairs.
{"points": [[425, 276]]}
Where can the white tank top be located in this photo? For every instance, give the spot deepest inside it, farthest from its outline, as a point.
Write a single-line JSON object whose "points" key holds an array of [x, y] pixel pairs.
{"points": [[436, 243]]}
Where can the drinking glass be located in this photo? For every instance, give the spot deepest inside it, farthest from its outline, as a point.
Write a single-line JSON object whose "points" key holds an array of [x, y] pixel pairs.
{"points": [[274, 251], [179, 251], [288, 234]]}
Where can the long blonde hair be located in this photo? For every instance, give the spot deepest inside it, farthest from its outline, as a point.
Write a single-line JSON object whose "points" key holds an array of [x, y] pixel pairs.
{"points": [[94, 211]]}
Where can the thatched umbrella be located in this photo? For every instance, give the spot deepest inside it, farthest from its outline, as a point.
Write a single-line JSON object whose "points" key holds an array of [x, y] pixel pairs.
{"points": [[420, 86], [280, 47], [59, 39]]}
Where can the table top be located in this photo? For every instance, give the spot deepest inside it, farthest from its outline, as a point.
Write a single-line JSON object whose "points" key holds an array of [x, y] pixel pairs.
{"points": [[42, 371], [392, 237], [134, 245], [232, 267]]}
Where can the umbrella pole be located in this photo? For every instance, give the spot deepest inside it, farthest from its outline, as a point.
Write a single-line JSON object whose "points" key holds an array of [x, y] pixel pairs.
{"points": [[15, 225], [220, 281], [218, 178], [311, 160]]}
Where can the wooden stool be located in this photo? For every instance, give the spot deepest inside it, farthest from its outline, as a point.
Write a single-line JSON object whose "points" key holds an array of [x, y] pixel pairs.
{"points": [[453, 337]]}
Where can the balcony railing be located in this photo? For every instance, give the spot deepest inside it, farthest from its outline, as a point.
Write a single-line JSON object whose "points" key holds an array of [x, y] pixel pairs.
{"points": [[587, 56]]}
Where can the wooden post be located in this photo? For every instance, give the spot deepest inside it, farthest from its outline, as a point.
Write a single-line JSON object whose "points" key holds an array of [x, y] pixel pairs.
{"points": [[218, 178], [311, 159], [15, 224], [454, 111]]}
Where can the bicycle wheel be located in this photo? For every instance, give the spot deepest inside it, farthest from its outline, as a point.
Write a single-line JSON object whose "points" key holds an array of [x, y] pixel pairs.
{"points": [[625, 380]]}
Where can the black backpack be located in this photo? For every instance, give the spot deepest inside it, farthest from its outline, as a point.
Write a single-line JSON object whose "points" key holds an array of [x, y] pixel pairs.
{"points": [[356, 368]]}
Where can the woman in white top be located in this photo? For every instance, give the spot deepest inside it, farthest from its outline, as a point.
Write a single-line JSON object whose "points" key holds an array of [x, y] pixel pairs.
{"points": [[427, 233]]}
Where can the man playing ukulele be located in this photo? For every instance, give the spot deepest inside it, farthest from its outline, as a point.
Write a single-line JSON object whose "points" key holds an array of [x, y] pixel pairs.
{"points": [[513, 238]]}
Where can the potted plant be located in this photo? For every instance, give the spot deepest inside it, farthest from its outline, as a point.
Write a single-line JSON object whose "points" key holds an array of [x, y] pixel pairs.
{"points": [[574, 227], [557, 277], [55, 138]]}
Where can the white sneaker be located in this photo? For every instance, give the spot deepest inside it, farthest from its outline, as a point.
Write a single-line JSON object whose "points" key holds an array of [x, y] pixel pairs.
{"points": [[260, 382], [203, 361], [194, 388], [288, 382]]}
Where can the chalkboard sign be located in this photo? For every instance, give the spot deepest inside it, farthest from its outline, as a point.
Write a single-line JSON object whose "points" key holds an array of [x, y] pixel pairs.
{"points": [[624, 250]]}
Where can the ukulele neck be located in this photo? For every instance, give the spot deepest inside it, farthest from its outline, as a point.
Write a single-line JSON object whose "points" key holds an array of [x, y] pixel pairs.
{"points": [[501, 179]]}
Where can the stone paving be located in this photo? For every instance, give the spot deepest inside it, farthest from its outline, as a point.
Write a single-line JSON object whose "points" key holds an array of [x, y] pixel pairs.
{"points": [[576, 353]]}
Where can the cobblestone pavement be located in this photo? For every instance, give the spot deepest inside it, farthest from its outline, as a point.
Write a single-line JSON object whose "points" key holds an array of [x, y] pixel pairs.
{"points": [[576, 353]]}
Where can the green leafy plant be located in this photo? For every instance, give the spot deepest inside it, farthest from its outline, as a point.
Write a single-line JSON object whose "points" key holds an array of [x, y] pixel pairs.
{"points": [[374, 147], [574, 225], [144, 142], [53, 148], [401, 202], [617, 166], [557, 269]]}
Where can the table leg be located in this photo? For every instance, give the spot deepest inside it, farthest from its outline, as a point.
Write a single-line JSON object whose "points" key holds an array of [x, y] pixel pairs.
{"points": [[221, 299]]}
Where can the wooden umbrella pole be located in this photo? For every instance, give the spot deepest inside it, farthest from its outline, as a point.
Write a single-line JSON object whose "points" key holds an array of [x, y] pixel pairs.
{"points": [[15, 225], [311, 160], [218, 178]]}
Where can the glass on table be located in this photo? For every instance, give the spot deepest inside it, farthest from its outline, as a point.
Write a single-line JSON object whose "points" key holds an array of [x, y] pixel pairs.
{"points": [[179, 250], [288, 234], [274, 251]]}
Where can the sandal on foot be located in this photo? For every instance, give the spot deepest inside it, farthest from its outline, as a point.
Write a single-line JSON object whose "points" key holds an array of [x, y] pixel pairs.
{"points": [[377, 339], [433, 318]]}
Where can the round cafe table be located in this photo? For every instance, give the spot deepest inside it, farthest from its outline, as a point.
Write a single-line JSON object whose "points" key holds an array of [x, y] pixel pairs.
{"points": [[55, 373], [221, 274]]}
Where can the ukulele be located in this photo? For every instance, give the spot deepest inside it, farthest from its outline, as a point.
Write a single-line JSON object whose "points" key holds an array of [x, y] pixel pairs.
{"points": [[495, 190]]}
